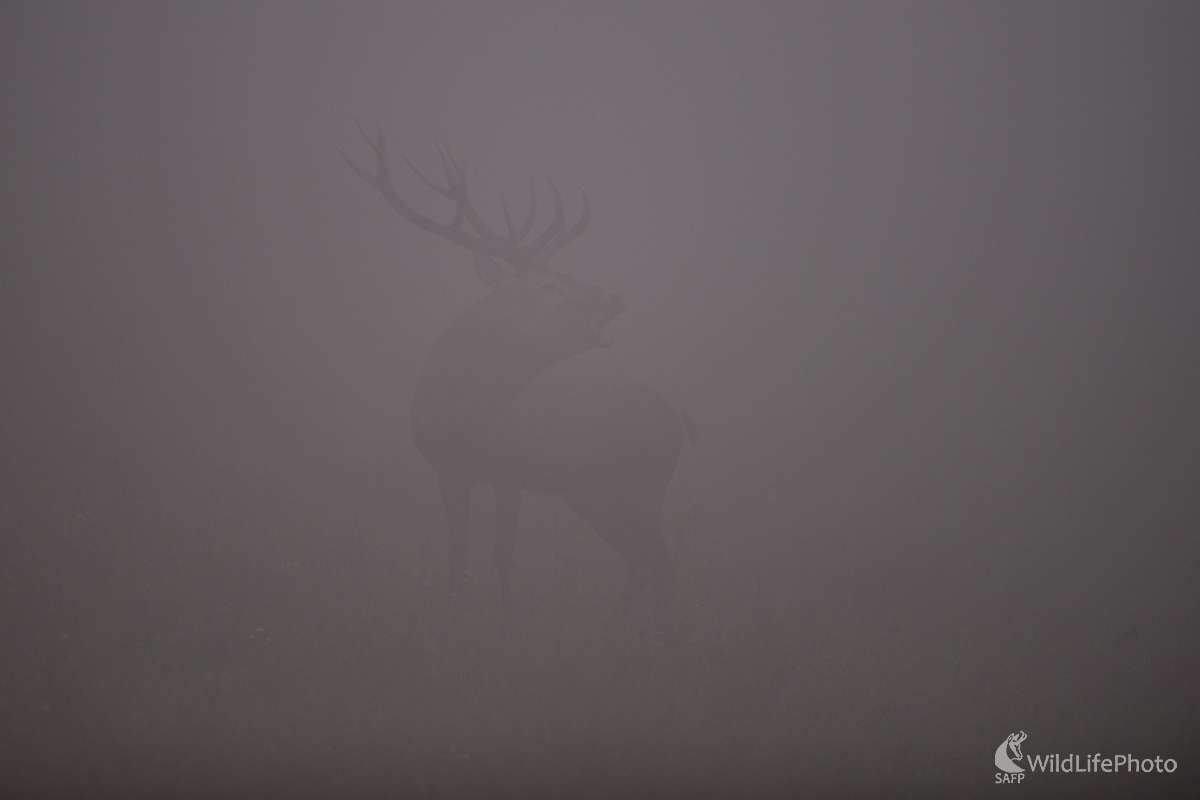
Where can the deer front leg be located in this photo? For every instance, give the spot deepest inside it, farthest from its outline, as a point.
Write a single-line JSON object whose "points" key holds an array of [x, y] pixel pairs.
{"points": [[456, 496], [508, 510]]}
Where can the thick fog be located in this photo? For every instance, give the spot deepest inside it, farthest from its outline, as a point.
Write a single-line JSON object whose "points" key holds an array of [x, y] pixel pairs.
{"points": [[924, 276]]}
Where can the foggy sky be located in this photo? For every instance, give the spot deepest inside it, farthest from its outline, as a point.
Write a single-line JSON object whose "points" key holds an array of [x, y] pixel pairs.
{"points": [[926, 277]]}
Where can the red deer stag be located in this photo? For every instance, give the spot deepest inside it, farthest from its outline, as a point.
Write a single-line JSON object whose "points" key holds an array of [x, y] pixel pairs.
{"points": [[501, 401]]}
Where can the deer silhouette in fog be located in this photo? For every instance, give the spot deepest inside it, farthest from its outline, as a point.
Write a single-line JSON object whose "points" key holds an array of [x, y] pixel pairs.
{"points": [[503, 400]]}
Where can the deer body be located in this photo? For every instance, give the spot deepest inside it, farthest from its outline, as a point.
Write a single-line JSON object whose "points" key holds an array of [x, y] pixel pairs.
{"points": [[503, 398]]}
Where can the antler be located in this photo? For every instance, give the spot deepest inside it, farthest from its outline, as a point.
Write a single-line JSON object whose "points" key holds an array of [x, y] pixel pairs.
{"points": [[521, 257]]}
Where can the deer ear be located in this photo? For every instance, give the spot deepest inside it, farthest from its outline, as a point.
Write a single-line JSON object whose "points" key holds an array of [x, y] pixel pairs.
{"points": [[488, 269]]}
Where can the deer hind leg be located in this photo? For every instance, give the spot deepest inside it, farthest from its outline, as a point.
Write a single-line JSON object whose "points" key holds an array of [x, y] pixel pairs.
{"points": [[456, 496], [638, 538], [508, 510], [661, 572]]}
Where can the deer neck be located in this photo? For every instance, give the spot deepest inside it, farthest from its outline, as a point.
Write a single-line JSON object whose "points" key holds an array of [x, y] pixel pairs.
{"points": [[472, 373]]}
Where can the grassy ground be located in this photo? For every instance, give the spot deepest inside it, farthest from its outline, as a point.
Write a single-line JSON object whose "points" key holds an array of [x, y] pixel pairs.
{"points": [[243, 640]]}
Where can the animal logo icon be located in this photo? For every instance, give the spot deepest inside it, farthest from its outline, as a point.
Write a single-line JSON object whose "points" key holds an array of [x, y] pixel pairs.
{"points": [[1013, 742]]}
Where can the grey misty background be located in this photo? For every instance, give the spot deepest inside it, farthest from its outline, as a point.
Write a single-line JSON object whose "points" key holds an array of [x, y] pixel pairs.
{"points": [[926, 276]]}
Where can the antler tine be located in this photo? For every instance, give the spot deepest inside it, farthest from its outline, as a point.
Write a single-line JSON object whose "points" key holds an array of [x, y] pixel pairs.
{"points": [[458, 185], [583, 220], [455, 174], [457, 178], [528, 224], [512, 229], [377, 146], [362, 173], [380, 177], [534, 248], [568, 235], [447, 163], [443, 192]]}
